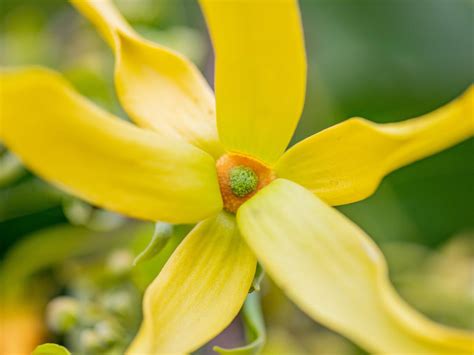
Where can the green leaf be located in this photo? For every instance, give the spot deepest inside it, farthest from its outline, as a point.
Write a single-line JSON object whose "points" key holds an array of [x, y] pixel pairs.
{"points": [[51, 349], [254, 328]]}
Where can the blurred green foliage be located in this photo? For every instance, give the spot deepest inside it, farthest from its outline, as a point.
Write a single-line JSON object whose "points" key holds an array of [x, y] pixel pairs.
{"points": [[388, 61]]}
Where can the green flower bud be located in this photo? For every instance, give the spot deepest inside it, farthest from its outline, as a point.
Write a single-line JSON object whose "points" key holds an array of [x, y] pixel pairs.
{"points": [[118, 302], [120, 262], [62, 314], [108, 332], [90, 341]]}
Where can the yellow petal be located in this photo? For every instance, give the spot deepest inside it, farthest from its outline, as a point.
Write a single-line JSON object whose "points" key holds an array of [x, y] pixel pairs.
{"points": [[159, 89], [345, 163], [260, 73], [163, 91], [199, 291], [102, 159], [336, 274], [105, 16]]}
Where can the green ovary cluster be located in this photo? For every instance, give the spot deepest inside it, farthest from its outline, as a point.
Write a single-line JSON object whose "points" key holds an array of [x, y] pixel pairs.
{"points": [[243, 180]]}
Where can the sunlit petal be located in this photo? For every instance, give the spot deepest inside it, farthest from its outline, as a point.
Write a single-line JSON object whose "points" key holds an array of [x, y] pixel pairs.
{"points": [[336, 274], [199, 291], [345, 163], [159, 89], [109, 162], [260, 73]]}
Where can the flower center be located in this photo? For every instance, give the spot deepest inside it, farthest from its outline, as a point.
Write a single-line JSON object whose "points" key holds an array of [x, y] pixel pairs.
{"points": [[240, 177], [242, 180]]}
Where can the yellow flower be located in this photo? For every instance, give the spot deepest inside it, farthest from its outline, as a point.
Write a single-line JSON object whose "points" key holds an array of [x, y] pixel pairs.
{"points": [[176, 165]]}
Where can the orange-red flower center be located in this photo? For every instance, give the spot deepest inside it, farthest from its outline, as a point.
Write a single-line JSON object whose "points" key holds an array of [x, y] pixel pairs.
{"points": [[237, 174]]}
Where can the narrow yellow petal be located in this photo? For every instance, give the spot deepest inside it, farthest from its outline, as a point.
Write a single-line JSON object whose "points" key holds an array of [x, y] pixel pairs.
{"points": [[336, 274], [345, 163], [109, 162], [158, 88], [260, 73], [199, 291], [105, 16], [163, 91]]}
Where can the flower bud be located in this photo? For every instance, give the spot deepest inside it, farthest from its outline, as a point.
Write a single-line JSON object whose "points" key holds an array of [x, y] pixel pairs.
{"points": [[118, 302], [120, 262], [62, 314], [107, 332], [90, 341]]}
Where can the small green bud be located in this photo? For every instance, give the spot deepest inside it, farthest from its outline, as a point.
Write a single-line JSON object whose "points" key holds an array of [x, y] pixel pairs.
{"points": [[91, 313], [90, 341], [118, 302], [243, 180], [107, 332], [120, 262], [62, 314], [77, 211]]}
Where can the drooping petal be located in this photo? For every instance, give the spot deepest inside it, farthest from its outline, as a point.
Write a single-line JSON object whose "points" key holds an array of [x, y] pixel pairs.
{"points": [[199, 291], [105, 16], [159, 89], [345, 163], [260, 73], [336, 274], [102, 159]]}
